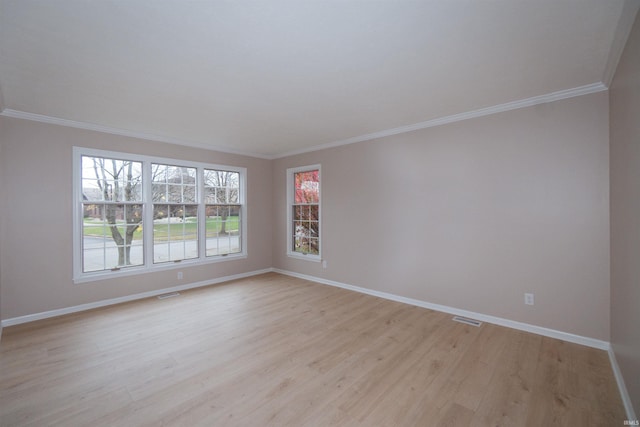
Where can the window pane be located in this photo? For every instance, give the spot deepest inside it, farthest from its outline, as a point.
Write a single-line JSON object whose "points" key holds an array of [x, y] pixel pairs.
{"points": [[300, 237], [233, 195], [223, 229], [301, 244], [175, 184], [307, 187], [189, 194], [159, 192], [300, 212], [175, 193], [158, 173], [314, 246], [221, 195], [111, 236], [314, 211], [210, 195], [174, 174], [175, 232], [314, 229], [105, 179], [221, 186]]}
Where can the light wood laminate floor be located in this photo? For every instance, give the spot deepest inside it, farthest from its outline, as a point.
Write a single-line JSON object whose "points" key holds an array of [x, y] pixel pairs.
{"points": [[276, 350]]}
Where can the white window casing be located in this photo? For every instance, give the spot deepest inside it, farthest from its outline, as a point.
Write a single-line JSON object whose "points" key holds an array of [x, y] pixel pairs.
{"points": [[186, 214], [304, 213]]}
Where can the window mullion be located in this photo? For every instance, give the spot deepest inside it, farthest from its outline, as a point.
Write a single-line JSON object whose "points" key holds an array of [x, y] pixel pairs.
{"points": [[202, 218], [147, 209]]}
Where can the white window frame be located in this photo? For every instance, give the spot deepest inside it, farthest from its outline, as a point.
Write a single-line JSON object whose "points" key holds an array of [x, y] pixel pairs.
{"points": [[290, 202], [148, 266]]}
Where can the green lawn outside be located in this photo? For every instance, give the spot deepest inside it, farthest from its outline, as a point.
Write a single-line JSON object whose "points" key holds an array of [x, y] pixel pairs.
{"points": [[161, 231]]}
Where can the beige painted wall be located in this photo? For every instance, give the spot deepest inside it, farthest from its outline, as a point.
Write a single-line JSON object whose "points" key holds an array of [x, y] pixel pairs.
{"points": [[473, 214], [36, 244], [469, 215], [625, 214], [2, 207]]}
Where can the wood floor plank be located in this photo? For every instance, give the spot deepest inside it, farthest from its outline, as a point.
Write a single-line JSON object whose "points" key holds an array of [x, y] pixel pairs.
{"points": [[274, 350], [455, 416], [507, 397]]}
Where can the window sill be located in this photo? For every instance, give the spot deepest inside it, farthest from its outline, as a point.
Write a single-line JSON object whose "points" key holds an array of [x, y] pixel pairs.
{"points": [[134, 271], [313, 258]]}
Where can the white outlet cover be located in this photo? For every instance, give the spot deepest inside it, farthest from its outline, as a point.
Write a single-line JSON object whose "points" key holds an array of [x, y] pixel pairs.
{"points": [[528, 299]]}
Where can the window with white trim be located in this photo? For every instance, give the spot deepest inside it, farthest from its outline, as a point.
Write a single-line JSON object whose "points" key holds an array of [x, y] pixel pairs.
{"points": [[175, 212], [303, 212], [139, 213], [223, 211], [112, 213]]}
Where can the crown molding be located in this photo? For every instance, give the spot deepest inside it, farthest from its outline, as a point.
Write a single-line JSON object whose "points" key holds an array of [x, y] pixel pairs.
{"points": [[513, 105], [16, 114], [623, 29]]}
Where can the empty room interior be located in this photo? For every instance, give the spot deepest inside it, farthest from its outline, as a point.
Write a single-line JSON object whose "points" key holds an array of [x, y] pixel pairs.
{"points": [[350, 213]]}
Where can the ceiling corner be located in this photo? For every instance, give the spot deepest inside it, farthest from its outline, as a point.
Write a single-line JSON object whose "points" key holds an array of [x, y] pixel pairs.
{"points": [[623, 29]]}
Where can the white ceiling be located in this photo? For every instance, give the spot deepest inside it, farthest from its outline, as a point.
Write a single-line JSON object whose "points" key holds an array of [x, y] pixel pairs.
{"points": [[273, 77]]}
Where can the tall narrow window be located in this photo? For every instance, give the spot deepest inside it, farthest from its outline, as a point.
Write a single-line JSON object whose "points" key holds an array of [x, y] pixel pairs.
{"points": [[223, 212], [175, 213], [304, 212], [112, 213]]}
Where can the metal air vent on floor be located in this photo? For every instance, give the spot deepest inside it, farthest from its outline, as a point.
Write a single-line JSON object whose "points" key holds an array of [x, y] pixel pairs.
{"points": [[170, 295], [466, 321]]}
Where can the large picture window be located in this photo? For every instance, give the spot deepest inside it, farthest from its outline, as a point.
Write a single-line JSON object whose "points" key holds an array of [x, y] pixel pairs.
{"points": [[136, 213], [303, 196]]}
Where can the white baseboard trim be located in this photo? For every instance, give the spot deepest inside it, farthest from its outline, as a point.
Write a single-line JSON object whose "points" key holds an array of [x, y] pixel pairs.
{"points": [[83, 307], [626, 399], [552, 333]]}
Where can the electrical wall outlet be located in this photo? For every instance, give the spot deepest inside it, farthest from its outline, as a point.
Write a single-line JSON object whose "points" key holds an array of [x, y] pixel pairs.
{"points": [[324, 263], [179, 275], [528, 299]]}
